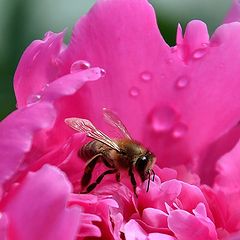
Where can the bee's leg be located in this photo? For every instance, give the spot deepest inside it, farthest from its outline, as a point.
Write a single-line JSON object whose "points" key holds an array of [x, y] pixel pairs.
{"points": [[99, 179], [110, 165], [118, 176], [89, 169], [107, 164], [133, 181]]}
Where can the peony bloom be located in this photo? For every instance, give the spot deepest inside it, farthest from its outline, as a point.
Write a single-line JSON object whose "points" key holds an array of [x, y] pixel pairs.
{"points": [[181, 102]]}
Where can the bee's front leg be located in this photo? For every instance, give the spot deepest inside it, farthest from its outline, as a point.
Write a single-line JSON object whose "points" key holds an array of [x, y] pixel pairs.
{"points": [[133, 181]]}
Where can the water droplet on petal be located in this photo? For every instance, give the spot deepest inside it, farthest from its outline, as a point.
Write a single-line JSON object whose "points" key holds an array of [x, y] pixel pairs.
{"points": [[134, 92], [146, 76], [79, 66], [182, 82], [162, 118], [180, 129], [199, 53], [102, 72], [33, 99]]}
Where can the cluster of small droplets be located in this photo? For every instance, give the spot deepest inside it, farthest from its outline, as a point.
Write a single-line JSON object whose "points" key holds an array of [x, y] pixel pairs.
{"points": [[144, 77]]}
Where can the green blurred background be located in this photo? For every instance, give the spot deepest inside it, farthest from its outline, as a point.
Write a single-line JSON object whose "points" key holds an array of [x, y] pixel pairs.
{"points": [[22, 21]]}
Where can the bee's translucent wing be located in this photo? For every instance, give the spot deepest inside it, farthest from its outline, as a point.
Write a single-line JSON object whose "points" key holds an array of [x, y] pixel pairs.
{"points": [[85, 126], [114, 120]]}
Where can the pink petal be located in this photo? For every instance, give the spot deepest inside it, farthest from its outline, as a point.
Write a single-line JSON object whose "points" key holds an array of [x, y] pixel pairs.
{"points": [[191, 196], [117, 220], [233, 14], [234, 236], [200, 211], [154, 217], [165, 174], [227, 182], [214, 152], [188, 227], [158, 236], [133, 231], [228, 168], [97, 205], [171, 189], [37, 208], [217, 204], [38, 67], [34, 136], [87, 230], [166, 92], [17, 132], [187, 176], [3, 226], [196, 35]]}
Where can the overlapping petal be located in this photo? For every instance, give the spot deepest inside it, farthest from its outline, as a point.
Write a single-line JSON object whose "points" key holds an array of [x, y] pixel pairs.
{"points": [[32, 138], [187, 226], [50, 218], [17, 133]]}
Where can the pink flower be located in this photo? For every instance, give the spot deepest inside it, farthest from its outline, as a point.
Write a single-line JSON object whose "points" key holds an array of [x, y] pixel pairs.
{"points": [[181, 102]]}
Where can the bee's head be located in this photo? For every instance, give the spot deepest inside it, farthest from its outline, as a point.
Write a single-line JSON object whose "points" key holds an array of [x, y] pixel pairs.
{"points": [[144, 165]]}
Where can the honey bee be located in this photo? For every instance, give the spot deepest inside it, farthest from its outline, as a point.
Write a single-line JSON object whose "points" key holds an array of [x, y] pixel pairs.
{"points": [[116, 154]]}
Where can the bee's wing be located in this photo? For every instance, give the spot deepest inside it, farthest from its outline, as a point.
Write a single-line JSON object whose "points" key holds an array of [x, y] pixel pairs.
{"points": [[114, 120], [85, 126]]}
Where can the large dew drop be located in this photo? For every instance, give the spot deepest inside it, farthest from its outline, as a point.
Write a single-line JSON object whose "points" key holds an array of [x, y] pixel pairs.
{"points": [[79, 66], [162, 118]]}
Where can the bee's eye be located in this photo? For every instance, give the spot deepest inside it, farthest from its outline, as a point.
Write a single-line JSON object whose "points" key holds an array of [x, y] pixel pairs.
{"points": [[141, 163]]}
